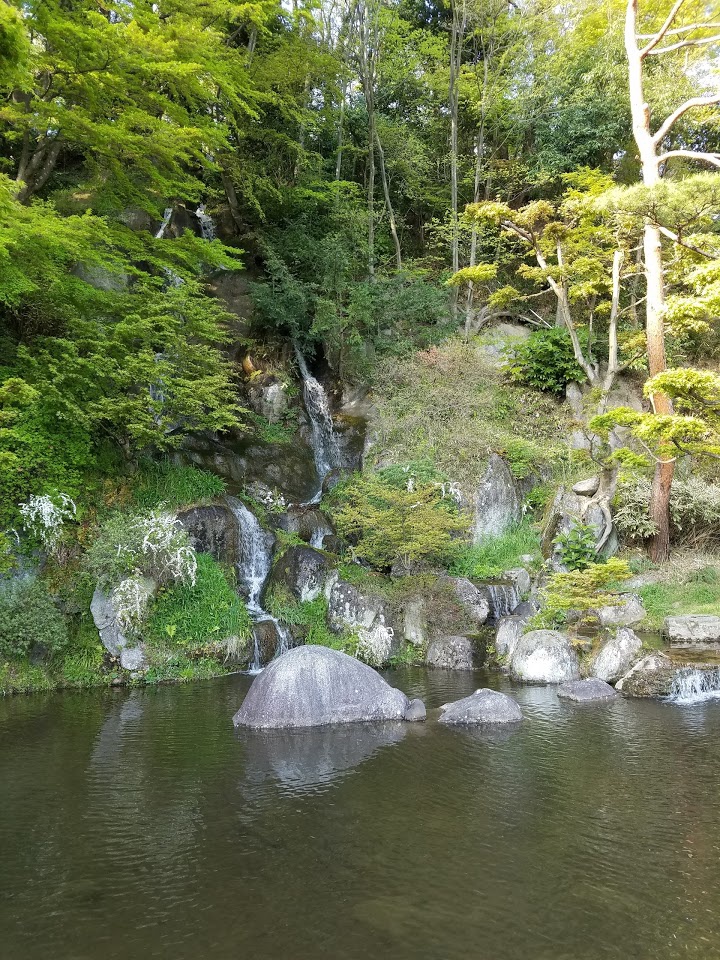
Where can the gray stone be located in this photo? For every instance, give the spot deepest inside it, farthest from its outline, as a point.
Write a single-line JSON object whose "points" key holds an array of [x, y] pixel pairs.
{"points": [[102, 278], [587, 488], [302, 571], [650, 677], [472, 600], [133, 658], [269, 399], [450, 653], [415, 622], [693, 630], [309, 523], [483, 706], [509, 631], [497, 503], [626, 613], [348, 607], [582, 691], [415, 711], [312, 686], [526, 609], [616, 655], [521, 578], [544, 656]]}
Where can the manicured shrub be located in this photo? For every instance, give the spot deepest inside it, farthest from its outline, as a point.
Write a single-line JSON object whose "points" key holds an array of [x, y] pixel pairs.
{"points": [[580, 590], [694, 510]]}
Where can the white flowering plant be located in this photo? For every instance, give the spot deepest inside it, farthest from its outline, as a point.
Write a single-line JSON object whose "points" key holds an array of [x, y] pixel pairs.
{"points": [[45, 517]]}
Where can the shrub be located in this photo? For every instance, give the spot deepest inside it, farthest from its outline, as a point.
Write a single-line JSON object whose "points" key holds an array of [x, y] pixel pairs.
{"points": [[44, 517], [580, 590], [195, 616], [153, 545], [492, 557], [29, 620], [577, 547], [694, 510], [309, 618], [387, 521], [544, 361]]}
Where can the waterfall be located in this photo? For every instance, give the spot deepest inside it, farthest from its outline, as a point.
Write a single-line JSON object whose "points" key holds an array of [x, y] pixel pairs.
{"points": [[502, 598], [695, 686], [326, 451], [207, 224], [253, 567], [167, 217]]}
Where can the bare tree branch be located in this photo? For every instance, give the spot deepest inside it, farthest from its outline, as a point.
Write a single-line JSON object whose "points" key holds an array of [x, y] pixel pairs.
{"points": [[688, 246], [712, 158], [682, 109], [663, 29], [679, 30], [686, 43]]}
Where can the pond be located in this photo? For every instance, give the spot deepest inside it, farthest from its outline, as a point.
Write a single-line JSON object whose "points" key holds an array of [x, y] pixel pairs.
{"points": [[138, 824]]}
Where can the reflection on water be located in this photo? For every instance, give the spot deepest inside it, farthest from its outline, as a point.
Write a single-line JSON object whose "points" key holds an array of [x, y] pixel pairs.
{"points": [[139, 824]]}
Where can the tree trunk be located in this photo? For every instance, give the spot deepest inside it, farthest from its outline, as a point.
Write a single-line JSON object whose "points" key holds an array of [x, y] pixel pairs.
{"points": [[457, 37], [388, 201]]}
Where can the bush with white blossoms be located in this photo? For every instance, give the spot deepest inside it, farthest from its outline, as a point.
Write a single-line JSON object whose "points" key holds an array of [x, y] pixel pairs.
{"points": [[45, 517], [166, 544], [130, 599]]}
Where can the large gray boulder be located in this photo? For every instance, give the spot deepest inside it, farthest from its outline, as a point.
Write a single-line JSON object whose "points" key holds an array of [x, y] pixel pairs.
{"points": [[483, 706], [509, 631], [212, 529], [626, 613], [450, 653], [104, 613], [311, 686], [694, 630], [497, 503], [367, 617], [544, 656], [583, 691], [650, 677], [616, 655]]}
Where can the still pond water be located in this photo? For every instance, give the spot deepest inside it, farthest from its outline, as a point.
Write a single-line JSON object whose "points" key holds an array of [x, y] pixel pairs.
{"points": [[139, 824]]}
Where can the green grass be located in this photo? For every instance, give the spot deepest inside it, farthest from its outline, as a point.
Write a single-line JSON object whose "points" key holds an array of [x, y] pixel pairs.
{"points": [[696, 595], [179, 668], [192, 618], [174, 486], [491, 558], [22, 677]]}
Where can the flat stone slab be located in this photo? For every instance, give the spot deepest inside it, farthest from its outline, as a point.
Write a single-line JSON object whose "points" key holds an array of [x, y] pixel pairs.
{"points": [[692, 629], [483, 706], [583, 691]]}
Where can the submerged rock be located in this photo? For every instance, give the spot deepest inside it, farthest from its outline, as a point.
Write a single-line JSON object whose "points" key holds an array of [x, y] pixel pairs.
{"points": [[582, 691], [692, 630], [616, 655], [311, 686], [415, 710], [450, 653], [483, 706], [545, 656]]}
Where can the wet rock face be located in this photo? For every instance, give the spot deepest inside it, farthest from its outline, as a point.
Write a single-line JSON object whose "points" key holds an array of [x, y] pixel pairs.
{"points": [[269, 399], [694, 630], [650, 677], [309, 523], [265, 633], [451, 653], [544, 656], [214, 530], [312, 686], [497, 502], [584, 691], [483, 706], [616, 655], [302, 572]]}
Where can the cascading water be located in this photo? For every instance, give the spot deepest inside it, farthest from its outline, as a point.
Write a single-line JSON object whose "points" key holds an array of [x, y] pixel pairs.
{"points": [[695, 686], [167, 217], [254, 563], [326, 451], [207, 224], [502, 598]]}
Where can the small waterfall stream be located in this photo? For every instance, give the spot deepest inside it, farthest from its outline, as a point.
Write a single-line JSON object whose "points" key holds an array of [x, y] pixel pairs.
{"points": [[695, 686], [502, 598], [326, 451], [254, 563], [207, 224]]}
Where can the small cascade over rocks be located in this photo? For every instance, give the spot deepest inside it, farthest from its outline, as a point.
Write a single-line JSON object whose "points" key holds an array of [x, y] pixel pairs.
{"points": [[326, 450], [207, 224], [695, 685], [502, 598], [255, 549], [167, 217]]}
